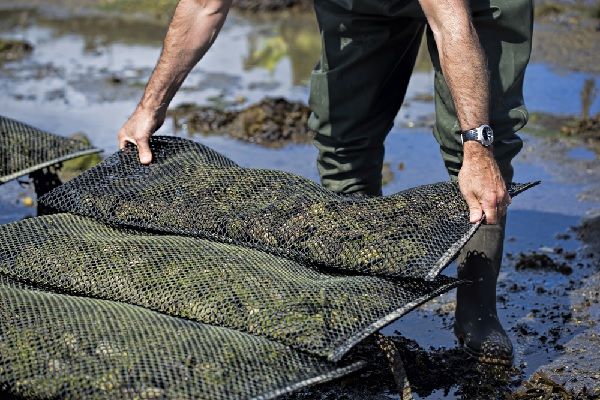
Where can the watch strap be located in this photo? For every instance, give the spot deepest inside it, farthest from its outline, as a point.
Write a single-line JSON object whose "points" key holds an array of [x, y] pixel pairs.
{"points": [[471, 134], [482, 134]]}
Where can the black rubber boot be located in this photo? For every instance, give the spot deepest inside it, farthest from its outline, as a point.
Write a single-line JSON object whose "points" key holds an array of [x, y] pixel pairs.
{"points": [[476, 322]]}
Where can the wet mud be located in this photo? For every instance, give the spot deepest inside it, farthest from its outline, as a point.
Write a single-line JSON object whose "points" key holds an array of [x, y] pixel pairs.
{"points": [[542, 387], [273, 122], [584, 128], [429, 372], [440, 372], [567, 35], [575, 373]]}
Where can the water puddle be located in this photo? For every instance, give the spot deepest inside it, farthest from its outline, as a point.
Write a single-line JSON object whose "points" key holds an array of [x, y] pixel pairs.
{"points": [[582, 153]]}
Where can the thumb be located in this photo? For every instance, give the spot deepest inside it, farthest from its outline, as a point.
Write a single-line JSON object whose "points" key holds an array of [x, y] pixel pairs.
{"points": [[144, 151], [475, 210]]}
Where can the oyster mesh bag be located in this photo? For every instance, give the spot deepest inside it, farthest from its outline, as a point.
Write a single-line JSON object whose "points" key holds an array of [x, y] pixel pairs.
{"points": [[192, 190], [196, 278], [25, 149], [220, 284], [57, 346]]}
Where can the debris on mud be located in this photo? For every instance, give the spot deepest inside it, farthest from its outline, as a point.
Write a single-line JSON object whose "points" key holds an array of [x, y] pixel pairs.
{"points": [[587, 127], [273, 122], [12, 50], [537, 261], [584, 128], [201, 119], [428, 371], [589, 232], [540, 386], [574, 374]]}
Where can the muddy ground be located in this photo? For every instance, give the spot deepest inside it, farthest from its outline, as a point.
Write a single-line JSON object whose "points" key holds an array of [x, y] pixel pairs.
{"points": [[77, 67], [567, 34], [441, 371]]}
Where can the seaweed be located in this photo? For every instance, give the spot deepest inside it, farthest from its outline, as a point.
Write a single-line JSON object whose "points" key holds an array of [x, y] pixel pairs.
{"points": [[273, 122]]}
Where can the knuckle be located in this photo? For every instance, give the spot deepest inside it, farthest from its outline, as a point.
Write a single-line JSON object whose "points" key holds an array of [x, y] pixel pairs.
{"points": [[140, 140], [490, 201]]}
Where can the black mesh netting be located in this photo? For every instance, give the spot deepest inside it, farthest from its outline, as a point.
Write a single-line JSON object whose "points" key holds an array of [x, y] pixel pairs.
{"points": [[190, 189], [210, 282], [24, 149], [56, 346], [152, 308]]}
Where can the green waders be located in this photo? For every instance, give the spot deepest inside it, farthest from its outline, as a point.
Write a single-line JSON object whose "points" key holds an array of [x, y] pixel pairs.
{"points": [[369, 51]]}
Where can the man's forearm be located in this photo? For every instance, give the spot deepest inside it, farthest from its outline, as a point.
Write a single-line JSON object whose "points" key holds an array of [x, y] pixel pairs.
{"points": [[462, 59], [192, 31], [465, 70]]}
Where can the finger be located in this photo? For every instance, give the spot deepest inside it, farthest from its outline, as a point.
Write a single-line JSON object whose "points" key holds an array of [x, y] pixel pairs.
{"points": [[475, 210], [501, 210], [503, 204], [122, 140], [507, 199], [491, 212], [144, 151]]}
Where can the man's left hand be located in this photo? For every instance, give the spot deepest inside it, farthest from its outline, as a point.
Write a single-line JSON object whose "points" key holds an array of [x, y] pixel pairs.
{"points": [[482, 185]]}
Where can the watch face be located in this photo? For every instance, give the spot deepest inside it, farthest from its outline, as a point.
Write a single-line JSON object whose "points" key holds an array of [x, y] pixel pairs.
{"points": [[487, 134]]}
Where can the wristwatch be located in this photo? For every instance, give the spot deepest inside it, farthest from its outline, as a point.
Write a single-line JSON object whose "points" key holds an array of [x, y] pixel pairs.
{"points": [[482, 134]]}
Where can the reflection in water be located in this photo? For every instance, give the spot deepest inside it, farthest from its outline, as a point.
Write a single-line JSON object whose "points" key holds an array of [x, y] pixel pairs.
{"points": [[294, 37], [103, 32], [97, 31], [161, 10], [588, 95]]}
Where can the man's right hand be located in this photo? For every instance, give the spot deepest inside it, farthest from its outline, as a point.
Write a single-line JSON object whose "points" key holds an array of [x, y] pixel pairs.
{"points": [[482, 185], [192, 31], [138, 129]]}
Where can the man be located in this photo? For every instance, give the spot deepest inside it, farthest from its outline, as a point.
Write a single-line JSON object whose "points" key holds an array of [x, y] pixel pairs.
{"points": [[479, 52]]}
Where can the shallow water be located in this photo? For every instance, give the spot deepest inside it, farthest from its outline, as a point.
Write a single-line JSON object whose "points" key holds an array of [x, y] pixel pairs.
{"points": [[86, 75]]}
